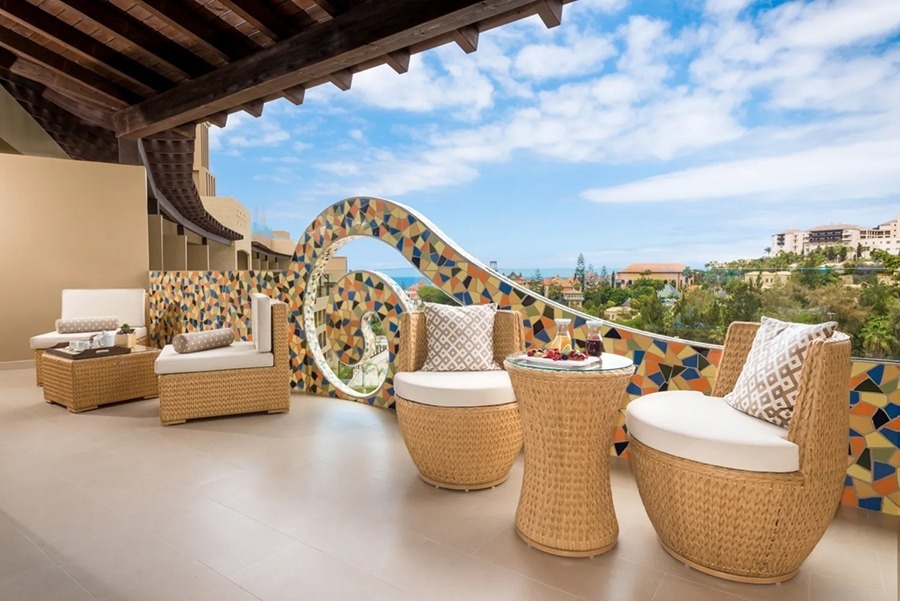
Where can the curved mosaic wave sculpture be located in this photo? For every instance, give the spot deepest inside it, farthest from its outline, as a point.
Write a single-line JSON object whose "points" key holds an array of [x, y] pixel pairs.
{"points": [[183, 301]]}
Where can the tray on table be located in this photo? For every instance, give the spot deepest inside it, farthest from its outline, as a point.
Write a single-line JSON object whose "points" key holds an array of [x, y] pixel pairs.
{"points": [[561, 364], [63, 350]]}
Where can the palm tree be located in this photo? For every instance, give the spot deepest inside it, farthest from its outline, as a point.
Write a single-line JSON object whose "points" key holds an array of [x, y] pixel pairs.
{"points": [[876, 336], [768, 250]]}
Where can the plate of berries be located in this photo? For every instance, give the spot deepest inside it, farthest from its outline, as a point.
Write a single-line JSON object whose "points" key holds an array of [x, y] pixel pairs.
{"points": [[554, 357]]}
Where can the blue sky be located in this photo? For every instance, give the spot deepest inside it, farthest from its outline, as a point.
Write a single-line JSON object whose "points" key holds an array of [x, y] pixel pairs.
{"points": [[635, 131]]}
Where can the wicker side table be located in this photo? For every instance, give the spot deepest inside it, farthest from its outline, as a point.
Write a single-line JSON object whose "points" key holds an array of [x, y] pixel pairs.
{"points": [[565, 507], [85, 384]]}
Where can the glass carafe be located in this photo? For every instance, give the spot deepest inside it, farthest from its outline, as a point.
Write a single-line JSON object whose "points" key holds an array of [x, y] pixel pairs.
{"points": [[593, 343], [563, 337]]}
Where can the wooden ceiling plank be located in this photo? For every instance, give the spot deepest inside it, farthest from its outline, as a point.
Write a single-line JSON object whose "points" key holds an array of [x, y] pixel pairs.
{"points": [[343, 79], [467, 38], [225, 42], [550, 12], [295, 94], [314, 52], [259, 14], [398, 60], [75, 40], [43, 55], [123, 25], [333, 7]]}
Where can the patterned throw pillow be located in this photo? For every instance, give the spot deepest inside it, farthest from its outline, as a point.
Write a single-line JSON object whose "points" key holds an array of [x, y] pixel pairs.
{"points": [[77, 325], [768, 385], [201, 341], [460, 338]]}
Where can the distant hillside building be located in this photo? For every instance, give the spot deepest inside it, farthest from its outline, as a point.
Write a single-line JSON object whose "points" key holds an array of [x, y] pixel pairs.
{"points": [[668, 273], [767, 279], [885, 236]]}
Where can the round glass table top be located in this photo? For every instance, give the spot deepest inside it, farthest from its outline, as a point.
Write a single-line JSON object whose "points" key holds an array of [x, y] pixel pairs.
{"points": [[607, 362]]}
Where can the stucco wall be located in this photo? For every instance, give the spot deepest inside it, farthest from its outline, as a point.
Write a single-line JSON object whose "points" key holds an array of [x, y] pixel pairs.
{"points": [[65, 224]]}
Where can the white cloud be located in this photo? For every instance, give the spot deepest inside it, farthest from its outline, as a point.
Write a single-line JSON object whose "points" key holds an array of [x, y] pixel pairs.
{"points": [[245, 131], [355, 134], [554, 61], [852, 172]]}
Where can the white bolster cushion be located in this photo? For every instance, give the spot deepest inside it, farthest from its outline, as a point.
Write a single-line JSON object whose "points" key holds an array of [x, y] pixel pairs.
{"points": [[455, 388], [76, 325], [690, 425]]}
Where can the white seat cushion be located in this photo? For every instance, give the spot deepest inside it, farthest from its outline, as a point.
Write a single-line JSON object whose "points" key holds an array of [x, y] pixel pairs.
{"points": [[240, 355], [455, 388], [693, 426], [52, 338], [127, 304]]}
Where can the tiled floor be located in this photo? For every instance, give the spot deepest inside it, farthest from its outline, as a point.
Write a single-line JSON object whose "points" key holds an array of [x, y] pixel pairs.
{"points": [[321, 503]]}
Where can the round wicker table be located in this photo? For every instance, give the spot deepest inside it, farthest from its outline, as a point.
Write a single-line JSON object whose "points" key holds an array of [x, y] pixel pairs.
{"points": [[568, 416]]}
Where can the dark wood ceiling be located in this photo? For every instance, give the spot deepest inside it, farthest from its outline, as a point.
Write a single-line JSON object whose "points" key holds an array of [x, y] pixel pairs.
{"points": [[97, 74]]}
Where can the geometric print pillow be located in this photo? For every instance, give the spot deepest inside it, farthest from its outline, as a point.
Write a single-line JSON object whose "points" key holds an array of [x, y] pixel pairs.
{"points": [[75, 325], [768, 384], [202, 341], [459, 338]]}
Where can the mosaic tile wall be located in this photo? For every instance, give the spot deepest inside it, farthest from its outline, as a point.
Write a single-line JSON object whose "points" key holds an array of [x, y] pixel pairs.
{"points": [[190, 300]]}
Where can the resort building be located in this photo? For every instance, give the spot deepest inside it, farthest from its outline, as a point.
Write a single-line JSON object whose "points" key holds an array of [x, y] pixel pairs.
{"points": [[767, 279], [885, 236], [669, 273]]}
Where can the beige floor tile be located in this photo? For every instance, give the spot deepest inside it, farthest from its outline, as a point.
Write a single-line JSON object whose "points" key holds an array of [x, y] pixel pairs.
{"points": [[300, 572], [675, 589], [603, 578], [43, 581], [430, 570], [823, 588], [322, 502]]}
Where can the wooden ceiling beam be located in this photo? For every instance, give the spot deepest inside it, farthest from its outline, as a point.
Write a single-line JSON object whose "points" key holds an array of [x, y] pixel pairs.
{"points": [[43, 55], [126, 27], [79, 42], [254, 108], [225, 42], [398, 60], [317, 51], [550, 12], [219, 119], [467, 38], [295, 94], [343, 79], [261, 15], [64, 85]]}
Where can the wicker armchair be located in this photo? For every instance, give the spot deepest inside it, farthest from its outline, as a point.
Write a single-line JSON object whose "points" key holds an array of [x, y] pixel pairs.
{"points": [[755, 526], [219, 392], [469, 446]]}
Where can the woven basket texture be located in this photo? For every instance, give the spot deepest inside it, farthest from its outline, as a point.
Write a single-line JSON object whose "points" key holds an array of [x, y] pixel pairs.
{"points": [[232, 391], [756, 526], [86, 384], [38, 353], [460, 447], [566, 505]]}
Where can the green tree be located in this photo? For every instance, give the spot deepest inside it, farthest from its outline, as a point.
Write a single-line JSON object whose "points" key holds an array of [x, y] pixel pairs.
{"points": [[743, 303], [536, 283], [653, 313], [433, 294], [579, 270], [554, 292], [876, 336]]}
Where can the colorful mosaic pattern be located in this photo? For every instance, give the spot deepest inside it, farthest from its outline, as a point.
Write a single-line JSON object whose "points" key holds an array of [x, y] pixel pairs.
{"points": [[356, 298], [185, 300]]}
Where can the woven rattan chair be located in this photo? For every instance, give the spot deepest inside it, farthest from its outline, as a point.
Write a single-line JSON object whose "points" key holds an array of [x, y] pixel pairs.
{"points": [[755, 526], [196, 394], [460, 447]]}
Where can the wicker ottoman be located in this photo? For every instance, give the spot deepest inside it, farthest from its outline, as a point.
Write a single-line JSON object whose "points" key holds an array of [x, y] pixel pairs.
{"points": [[85, 384]]}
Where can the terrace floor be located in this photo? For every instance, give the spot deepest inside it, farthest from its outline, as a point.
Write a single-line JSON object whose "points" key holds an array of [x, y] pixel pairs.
{"points": [[321, 503]]}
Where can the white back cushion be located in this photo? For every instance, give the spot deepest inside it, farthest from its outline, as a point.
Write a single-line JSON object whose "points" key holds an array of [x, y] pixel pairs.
{"points": [[261, 322], [127, 304]]}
